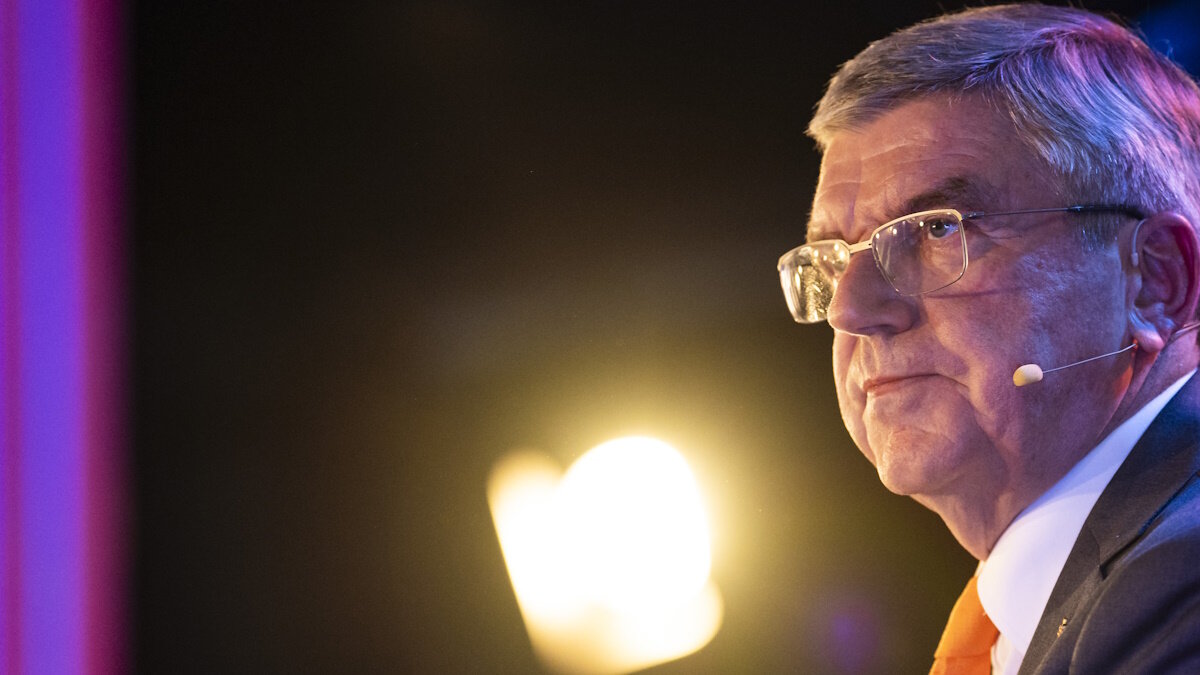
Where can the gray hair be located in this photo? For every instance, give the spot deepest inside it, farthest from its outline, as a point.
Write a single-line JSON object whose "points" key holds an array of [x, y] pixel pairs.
{"points": [[1117, 122]]}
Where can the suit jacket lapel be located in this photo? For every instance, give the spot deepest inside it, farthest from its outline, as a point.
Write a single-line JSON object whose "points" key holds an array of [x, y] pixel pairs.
{"points": [[1156, 469]]}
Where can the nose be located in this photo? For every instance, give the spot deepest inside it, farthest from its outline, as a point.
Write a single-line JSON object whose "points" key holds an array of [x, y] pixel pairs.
{"points": [[865, 303]]}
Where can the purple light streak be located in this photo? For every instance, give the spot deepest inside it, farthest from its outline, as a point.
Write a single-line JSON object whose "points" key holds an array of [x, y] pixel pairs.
{"points": [[61, 514]]}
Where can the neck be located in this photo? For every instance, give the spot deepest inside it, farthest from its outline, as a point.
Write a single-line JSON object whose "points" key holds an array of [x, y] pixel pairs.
{"points": [[976, 524]]}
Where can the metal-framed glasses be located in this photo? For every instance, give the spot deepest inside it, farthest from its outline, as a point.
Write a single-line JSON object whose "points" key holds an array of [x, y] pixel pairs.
{"points": [[919, 253]]}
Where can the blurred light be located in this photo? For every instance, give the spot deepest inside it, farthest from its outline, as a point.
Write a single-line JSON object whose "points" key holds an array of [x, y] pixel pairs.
{"points": [[610, 562]]}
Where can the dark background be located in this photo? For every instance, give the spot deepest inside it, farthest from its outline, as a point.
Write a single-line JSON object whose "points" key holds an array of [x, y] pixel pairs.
{"points": [[377, 245]]}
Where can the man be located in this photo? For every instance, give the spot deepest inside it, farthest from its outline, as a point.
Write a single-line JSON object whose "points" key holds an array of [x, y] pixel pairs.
{"points": [[1052, 161]]}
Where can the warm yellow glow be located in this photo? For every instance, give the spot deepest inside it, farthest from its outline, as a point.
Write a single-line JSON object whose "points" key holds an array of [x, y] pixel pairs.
{"points": [[610, 562]]}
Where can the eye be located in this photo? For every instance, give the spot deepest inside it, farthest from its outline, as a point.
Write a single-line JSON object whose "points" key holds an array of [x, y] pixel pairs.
{"points": [[939, 227]]}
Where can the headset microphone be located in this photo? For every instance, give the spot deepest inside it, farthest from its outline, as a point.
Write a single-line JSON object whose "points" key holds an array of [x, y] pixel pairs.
{"points": [[1032, 372]]}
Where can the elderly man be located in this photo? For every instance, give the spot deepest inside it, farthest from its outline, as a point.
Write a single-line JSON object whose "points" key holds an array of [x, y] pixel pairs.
{"points": [[1023, 182]]}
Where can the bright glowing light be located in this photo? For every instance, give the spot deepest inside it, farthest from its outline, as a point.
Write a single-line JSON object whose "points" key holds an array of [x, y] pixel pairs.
{"points": [[638, 537], [611, 563]]}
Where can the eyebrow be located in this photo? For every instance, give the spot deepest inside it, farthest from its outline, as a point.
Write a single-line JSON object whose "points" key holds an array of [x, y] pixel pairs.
{"points": [[954, 192], [958, 192]]}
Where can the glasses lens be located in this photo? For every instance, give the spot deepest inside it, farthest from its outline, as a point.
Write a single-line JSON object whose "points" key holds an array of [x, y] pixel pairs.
{"points": [[809, 276], [922, 252]]}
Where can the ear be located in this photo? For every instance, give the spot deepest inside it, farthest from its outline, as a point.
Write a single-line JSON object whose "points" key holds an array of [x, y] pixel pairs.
{"points": [[1166, 258]]}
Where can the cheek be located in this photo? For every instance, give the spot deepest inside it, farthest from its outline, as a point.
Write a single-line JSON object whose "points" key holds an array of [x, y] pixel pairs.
{"points": [[851, 401]]}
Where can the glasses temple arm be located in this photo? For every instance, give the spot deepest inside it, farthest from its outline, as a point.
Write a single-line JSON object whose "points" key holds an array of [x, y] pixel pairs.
{"points": [[1126, 209]]}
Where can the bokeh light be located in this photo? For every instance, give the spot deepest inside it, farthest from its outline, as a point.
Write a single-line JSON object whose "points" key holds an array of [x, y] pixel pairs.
{"points": [[610, 561]]}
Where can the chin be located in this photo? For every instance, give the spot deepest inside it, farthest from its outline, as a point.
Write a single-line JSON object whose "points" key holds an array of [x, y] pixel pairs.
{"points": [[903, 483], [913, 468]]}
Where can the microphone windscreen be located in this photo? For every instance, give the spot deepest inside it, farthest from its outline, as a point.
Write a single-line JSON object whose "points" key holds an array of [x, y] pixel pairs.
{"points": [[1027, 374]]}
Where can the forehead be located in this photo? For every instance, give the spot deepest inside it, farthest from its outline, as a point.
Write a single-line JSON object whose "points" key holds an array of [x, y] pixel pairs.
{"points": [[929, 153]]}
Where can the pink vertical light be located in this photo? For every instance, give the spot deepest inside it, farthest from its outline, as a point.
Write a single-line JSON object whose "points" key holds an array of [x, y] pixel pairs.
{"points": [[62, 511], [103, 143], [10, 357]]}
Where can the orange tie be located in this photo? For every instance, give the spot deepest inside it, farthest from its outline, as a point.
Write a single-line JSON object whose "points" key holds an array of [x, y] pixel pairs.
{"points": [[966, 644]]}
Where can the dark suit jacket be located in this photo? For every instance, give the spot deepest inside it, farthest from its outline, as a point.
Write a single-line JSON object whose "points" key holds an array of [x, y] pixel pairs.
{"points": [[1128, 598]]}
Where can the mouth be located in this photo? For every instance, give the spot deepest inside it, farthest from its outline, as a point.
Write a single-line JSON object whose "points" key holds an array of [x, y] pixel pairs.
{"points": [[879, 386]]}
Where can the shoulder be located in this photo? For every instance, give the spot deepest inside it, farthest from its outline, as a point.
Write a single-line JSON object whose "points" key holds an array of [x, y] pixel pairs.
{"points": [[1145, 616]]}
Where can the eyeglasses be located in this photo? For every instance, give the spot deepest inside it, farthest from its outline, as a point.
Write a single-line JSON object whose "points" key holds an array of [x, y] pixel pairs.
{"points": [[918, 253]]}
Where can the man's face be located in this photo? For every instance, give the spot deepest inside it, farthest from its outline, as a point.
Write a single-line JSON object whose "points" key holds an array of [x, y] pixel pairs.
{"points": [[925, 383]]}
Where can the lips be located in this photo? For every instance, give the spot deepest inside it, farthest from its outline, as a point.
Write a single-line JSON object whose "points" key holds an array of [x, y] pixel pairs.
{"points": [[883, 384]]}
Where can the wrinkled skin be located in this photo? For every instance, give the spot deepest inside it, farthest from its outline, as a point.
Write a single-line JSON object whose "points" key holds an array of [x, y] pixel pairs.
{"points": [[925, 383]]}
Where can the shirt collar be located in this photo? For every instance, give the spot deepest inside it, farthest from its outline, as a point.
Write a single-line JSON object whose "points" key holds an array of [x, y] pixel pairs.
{"points": [[1016, 579]]}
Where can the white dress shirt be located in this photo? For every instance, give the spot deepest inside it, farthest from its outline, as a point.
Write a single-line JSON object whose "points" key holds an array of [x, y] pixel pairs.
{"points": [[1016, 579]]}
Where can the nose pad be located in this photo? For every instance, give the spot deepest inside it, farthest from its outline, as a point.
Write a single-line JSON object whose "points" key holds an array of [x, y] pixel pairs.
{"points": [[865, 302]]}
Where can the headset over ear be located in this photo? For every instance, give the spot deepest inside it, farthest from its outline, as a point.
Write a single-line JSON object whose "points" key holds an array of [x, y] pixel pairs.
{"points": [[1173, 270], [1133, 253]]}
